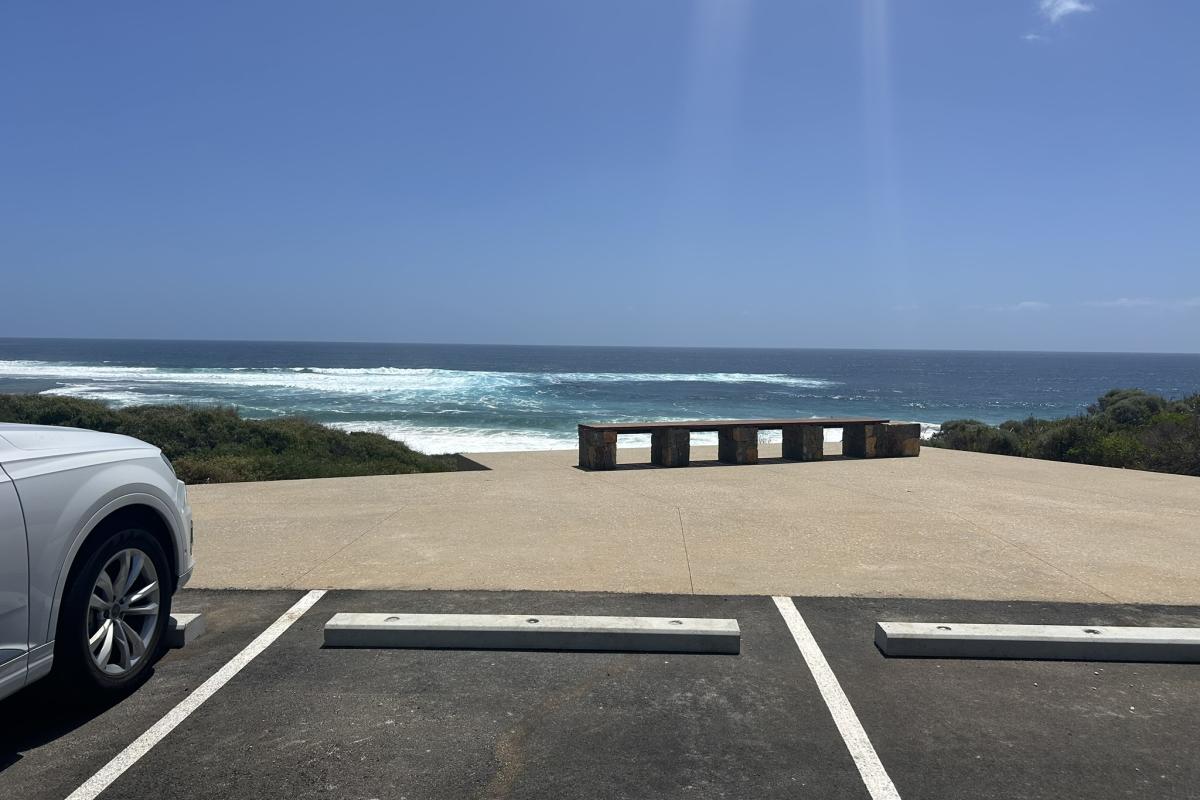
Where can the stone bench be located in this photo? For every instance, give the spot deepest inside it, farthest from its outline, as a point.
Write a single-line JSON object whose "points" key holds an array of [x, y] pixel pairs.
{"points": [[737, 440]]}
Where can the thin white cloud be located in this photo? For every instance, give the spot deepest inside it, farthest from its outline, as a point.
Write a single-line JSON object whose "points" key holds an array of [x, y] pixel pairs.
{"points": [[1034, 306], [1034, 37], [1024, 305], [1124, 302], [1054, 10], [1146, 302]]}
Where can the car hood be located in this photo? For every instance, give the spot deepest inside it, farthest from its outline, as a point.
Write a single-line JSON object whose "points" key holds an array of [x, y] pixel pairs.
{"points": [[39, 441]]}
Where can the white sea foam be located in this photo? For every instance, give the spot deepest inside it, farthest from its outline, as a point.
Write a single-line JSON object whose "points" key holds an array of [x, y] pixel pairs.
{"points": [[371, 380], [449, 439], [128, 386], [119, 396]]}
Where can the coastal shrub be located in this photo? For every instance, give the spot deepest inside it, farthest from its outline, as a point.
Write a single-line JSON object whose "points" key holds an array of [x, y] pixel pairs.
{"points": [[971, 434], [34, 409], [1028, 428], [216, 445], [1172, 442], [1070, 440], [1118, 449], [1127, 428], [1127, 407]]}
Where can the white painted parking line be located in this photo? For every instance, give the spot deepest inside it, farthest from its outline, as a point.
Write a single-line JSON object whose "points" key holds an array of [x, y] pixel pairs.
{"points": [[877, 781], [140, 746]]}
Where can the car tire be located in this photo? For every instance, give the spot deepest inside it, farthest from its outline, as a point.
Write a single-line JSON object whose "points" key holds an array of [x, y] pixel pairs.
{"points": [[75, 660]]}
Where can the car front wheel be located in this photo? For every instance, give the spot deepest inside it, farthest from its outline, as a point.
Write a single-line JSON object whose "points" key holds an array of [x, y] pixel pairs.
{"points": [[113, 615]]}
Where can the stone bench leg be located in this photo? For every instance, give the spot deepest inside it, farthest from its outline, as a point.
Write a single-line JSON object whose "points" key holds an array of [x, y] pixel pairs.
{"points": [[859, 441], [898, 440], [597, 449], [804, 442], [738, 445], [671, 447]]}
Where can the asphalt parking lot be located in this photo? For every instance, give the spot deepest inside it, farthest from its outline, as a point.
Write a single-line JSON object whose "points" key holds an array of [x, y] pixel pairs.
{"points": [[301, 721]]}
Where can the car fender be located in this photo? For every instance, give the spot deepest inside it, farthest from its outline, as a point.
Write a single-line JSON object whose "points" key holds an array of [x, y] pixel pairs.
{"points": [[63, 509], [134, 499]]}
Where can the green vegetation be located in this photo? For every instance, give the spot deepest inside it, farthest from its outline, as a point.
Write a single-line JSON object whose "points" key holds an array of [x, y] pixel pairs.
{"points": [[1124, 428], [215, 445]]}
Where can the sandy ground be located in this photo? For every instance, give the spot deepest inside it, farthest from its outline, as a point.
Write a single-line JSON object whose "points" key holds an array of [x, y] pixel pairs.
{"points": [[944, 525]]}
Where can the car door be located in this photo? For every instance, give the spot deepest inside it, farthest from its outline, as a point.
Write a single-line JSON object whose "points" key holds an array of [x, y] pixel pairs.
{"points": [[14, 589]]}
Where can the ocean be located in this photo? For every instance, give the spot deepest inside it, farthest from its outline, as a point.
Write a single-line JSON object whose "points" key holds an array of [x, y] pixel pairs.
{"points": [[477, 398]]}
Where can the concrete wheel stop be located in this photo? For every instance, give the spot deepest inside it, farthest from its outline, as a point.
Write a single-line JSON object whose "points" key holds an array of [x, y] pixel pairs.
{"points": [[1043, 642], [182, 629], [534, 632]]}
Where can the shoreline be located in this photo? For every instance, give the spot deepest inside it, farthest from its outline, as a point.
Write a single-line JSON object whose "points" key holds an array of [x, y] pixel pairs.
{"points": [[484, 399], [486, 441]]}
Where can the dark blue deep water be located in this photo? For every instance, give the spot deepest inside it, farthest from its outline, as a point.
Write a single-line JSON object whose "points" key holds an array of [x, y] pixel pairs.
{"points": [[476, 397]]}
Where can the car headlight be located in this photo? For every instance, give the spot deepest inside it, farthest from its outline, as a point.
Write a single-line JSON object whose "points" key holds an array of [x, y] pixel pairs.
{"points": [[167, 461]]}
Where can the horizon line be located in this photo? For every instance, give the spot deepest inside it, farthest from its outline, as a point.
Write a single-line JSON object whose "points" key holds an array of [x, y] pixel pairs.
{"points": [[593, 346]]}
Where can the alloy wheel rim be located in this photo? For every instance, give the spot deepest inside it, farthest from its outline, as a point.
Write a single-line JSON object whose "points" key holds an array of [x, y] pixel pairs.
{"points": [[123, 612]]}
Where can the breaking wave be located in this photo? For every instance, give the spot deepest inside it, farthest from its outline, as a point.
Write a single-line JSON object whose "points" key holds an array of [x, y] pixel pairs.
{"points": [[446, 410], [360, 381]]}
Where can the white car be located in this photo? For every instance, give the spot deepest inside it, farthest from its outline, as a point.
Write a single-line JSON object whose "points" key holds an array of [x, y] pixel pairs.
{"points": [[95, 537]]}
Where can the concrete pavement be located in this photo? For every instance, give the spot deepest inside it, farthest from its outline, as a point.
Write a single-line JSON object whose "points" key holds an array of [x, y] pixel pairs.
{"points": [[945, 525]]}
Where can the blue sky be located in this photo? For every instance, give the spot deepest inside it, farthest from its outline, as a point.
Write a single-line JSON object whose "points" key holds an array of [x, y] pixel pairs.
{"points": [[996, 175]]}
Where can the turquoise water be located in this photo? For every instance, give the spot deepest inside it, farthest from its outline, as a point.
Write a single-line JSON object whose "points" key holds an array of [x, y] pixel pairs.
{"points": [[444, 398]]}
